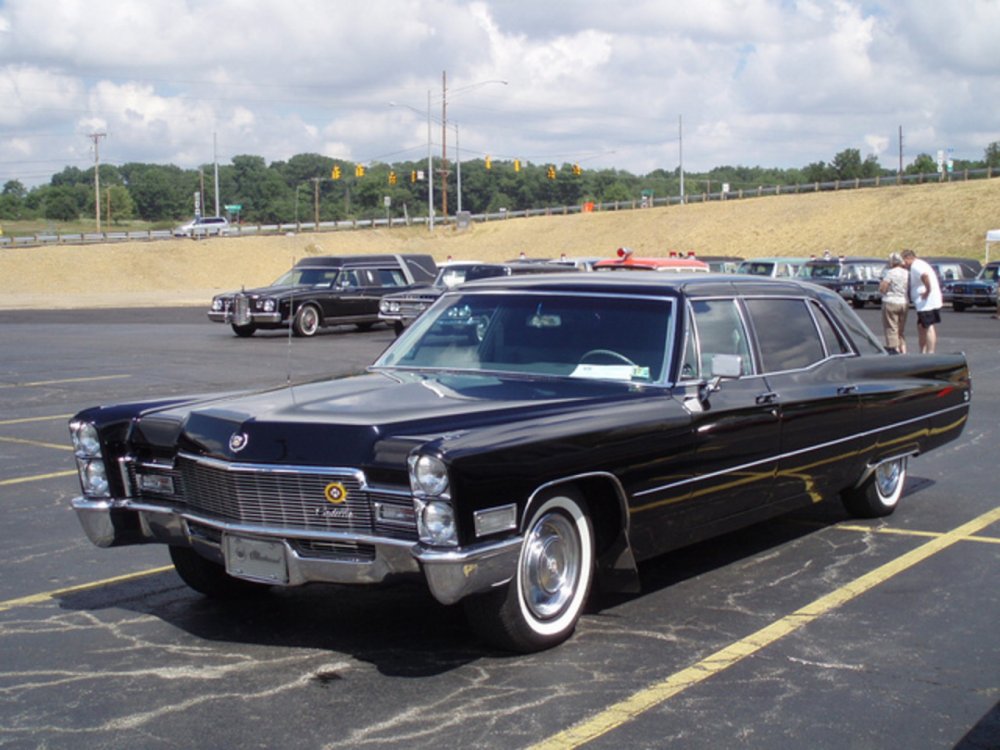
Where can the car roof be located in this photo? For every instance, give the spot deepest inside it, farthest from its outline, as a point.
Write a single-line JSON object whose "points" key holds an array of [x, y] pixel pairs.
{"points": [[848, 259], [632, 262], [335, 261], [778, 259], [643, 283]]}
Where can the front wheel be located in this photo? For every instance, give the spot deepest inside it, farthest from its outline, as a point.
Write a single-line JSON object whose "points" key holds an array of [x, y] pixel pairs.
{"points": [[306, 321], [540, 606], [244, 331], [879, 494], [958, 306], [209, 578]]}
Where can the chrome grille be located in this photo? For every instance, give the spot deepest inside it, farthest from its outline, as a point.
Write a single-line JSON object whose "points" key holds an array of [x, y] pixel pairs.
{"points": [[293, 500], [276, 497]]}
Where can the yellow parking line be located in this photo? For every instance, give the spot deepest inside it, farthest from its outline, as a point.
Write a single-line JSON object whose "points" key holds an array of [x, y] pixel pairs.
{"points": [[37, 477], [912, 532], [25, 420], [37, 443], [638, 703], [36, 383], [39, 598]]}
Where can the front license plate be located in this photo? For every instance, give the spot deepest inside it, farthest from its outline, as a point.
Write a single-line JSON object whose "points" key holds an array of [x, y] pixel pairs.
{"points": [[258, 559]]}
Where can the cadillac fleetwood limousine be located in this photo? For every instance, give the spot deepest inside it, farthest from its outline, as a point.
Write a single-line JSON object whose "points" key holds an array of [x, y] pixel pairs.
{"points": [[525, 439]]}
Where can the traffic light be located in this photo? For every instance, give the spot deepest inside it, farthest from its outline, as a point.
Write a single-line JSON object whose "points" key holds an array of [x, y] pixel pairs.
{"points": [[550, 172], [413, 176], [489, 162], [335, 172], [359, 171], [392, 178], [577, 170], [517, 165]]}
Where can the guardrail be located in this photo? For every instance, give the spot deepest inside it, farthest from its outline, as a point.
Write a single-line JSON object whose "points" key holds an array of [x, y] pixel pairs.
{"points": [[253, 230]]}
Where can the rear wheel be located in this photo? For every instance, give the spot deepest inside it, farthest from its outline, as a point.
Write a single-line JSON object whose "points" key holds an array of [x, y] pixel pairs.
{"points": [[210, 578], [880, 493], [540, 606], [306, 321]]}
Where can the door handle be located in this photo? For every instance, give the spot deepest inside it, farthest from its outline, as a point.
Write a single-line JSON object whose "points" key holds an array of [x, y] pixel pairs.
{"points": [[767, 398], [846, 390]]}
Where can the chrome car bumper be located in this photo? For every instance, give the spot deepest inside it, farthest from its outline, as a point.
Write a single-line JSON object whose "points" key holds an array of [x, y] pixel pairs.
{"points": [[226, 316], [451, 575]]}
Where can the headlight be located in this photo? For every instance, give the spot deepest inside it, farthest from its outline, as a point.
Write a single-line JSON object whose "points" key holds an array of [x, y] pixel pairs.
{"points": [[93, 477], [428, 475], [85, 439], [269, 305], [216, 305], [436, 523]]}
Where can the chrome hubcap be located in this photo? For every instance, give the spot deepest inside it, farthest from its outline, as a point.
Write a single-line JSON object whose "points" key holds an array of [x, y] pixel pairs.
{"points": [[550, 568], [887, 478]]}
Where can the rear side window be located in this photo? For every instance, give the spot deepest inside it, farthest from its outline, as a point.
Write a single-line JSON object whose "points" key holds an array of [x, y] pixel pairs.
{"points": [[786, 334], [835, 343]]}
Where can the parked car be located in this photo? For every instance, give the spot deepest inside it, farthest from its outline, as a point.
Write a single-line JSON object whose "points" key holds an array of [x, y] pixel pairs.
{"points": [[203, 226], [526, 438], [854, 278], [721, 263], [774, 268], [322, 291], [402, 308], [952, 270], [979, 292], [627, 261]]}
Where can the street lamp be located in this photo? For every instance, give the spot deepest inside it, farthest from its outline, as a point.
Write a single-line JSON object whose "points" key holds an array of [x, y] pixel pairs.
{"points": [[444, 131]]}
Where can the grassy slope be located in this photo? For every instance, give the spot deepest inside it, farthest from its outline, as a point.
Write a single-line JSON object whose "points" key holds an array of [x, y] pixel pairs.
{"points": [[946, 219]]}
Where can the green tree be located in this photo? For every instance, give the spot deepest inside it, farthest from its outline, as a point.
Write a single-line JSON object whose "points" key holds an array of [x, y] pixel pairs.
{"points": [[121, 205], [847, 164], [61, 204], [923, 164], [992, 155]]}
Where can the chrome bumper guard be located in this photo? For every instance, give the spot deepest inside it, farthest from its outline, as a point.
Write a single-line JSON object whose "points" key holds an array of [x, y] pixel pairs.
{"points": [[451, 575]]}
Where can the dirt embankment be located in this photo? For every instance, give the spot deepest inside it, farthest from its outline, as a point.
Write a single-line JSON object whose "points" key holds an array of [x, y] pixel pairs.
{"points": [[948, 219]]}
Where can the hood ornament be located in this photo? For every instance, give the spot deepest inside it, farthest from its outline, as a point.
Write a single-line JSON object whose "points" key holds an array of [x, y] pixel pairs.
{"points": [[238, 441]]}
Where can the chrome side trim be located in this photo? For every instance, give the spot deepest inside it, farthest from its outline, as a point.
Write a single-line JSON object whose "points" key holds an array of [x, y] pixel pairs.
{"points": [[801, 451]]}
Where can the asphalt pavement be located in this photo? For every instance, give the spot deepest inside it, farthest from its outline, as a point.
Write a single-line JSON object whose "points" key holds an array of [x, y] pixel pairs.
{"points": [[811, 630]]}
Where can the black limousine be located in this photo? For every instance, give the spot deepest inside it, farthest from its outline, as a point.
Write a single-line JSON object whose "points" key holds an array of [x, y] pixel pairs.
{"points": [[322, 291], [525, 438]]}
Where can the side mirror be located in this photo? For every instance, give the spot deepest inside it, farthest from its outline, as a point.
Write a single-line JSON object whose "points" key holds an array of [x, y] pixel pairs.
{"points": [[724, 367]]}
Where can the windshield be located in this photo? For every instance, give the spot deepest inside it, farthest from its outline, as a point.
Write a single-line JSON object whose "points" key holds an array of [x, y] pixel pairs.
{"points": [[989, 273], [621, 338], [761, 268], [450, 276], [820, 271], [307, 277]]}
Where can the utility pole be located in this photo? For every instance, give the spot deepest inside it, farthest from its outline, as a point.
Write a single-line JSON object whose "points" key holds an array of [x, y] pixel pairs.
{"points": [[315, 203], [97, 177], [430, 169], [444, 147], [680, 151], [899, 174], [215, 159]]}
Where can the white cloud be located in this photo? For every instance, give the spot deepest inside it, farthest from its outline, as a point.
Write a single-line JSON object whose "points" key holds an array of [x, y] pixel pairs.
{"points": [[758, 82]]}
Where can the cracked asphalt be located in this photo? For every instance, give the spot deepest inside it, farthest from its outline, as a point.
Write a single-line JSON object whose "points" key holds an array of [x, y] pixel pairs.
{"points": [[812, 630]]}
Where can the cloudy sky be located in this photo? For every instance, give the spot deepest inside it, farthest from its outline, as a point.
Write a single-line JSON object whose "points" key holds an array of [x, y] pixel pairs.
{"points": [[775, 83]]}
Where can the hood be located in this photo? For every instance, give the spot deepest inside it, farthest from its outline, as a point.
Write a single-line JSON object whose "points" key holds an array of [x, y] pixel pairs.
{"points": [[339, 422]]}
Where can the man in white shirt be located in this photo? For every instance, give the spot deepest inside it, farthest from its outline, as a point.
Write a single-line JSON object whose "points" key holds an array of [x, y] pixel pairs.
{"points": [[925, 293]]}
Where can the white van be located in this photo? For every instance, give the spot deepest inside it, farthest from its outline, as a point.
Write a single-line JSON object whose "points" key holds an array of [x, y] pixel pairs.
{"points": [[203, 226]]}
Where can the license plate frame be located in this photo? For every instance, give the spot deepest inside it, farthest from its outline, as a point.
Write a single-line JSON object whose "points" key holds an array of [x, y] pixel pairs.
{"points": [[255, 559]]}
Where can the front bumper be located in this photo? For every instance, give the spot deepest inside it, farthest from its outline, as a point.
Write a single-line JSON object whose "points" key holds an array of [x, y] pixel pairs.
{"points": [[451, 575], [257, 318]]}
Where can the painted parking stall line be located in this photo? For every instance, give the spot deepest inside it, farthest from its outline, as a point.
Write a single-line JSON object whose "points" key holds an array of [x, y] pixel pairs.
{"points": [[638, 703], [24, 601]]}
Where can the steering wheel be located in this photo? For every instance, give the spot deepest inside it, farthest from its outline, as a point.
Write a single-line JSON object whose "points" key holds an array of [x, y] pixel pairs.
{"points": [[607, 353]]}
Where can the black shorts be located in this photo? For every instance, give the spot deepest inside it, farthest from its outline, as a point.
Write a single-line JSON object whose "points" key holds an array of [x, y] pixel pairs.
{"points": [[927, 318]]}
